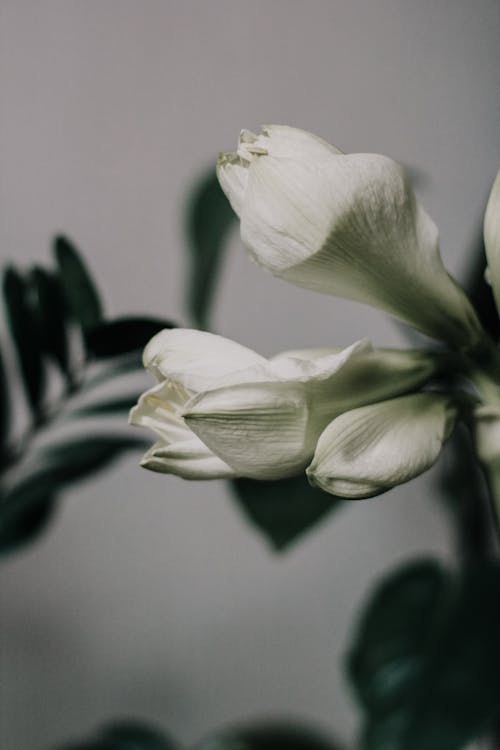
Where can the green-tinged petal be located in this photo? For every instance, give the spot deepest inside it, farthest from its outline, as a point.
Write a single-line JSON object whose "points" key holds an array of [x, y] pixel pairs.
{"points": [[348, 225], [258, 429], [487, 434], [369, 450], [190, 459], [194, 357], [492, 238]]}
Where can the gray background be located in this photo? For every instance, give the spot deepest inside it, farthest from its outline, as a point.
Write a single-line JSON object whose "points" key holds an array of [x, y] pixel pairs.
{"points": [[150, 596]]}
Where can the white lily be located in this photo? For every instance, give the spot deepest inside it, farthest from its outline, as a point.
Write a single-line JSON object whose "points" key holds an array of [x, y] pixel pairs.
{"points": [[369, 450], [221, 409], [492, 238], [348, 225]]}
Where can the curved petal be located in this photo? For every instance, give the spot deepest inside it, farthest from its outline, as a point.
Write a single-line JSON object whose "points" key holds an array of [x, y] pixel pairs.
{"points": [[190, 459], [160, 409], [492, 238], [194, 358], [369, 450], [348, 225], [258, 429]]}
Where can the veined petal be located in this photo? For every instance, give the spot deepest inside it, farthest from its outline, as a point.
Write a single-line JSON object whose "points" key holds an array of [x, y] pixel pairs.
{"points": [[487, 433], [258, 429], [232, 174], [190, 459], [348, 225], [369, 450], [492, 238], [194, 358]]}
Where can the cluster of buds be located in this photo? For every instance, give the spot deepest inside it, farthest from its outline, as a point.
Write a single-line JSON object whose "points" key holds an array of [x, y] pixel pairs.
{"points": [[357, 420]]}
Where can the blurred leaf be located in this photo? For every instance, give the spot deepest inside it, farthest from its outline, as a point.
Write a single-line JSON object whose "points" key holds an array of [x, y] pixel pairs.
{"points": [[51, 313], [426, 658], [285, 509], [268, 736], [122, 335], [21, 523], [116, 368], [56, 466], [4, 411], [105, 408], [208, 221], [126, 735], [25, 334], [78, 287]]}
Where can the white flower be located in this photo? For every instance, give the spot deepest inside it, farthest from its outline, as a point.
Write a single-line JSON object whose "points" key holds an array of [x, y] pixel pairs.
{"points": [[348, 225], [492, 238], [221, 409], [369, 450]]}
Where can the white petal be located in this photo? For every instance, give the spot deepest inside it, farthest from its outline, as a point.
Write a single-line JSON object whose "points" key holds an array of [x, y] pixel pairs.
{"points": [[160, 409], [194, 358], [487, 433], [348, 225], [257, 429], [369, 450], [232, 173], [492, 238], [189, 459]]}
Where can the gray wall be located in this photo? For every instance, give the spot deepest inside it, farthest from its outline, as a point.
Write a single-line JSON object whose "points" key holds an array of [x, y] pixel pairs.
{"points": [[150, 596]]}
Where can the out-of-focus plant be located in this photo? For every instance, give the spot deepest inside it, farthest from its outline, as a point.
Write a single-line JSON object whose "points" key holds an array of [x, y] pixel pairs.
{"points": [[64, 348]]}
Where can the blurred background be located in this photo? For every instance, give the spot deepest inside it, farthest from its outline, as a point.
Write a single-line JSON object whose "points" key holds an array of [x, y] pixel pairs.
{"points": [[149, 596]]}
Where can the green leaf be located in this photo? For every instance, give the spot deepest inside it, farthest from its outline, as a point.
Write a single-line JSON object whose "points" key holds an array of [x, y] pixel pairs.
{"points": [[127, 735], [5, 412], [209, 218], [285, 509], [122, 335], [426, 658], [53, 468], [51, 314], [105, 408], [79, 290], [25, 334], [268, 736], [22, 522]]}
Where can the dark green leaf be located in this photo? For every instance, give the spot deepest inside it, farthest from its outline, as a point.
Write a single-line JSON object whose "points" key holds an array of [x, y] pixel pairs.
{"points": [[121, 366], [209, 218], [268, 736], [105, 408], [51, 314], [122, 335], [4, 411], [127, 735], [25, 334], [22, 522], [283, 509], [53, 468], [78, 287], [426, 658]]}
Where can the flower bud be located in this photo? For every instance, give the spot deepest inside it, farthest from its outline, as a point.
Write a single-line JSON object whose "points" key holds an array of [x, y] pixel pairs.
{"points": [[369, 450], [347, 225], [492, 239]]}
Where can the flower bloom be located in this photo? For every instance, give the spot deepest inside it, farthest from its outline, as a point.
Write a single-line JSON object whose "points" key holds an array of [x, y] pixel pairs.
{"points": [[492, 238], [223, 410], [369, 450], [348, 225]]}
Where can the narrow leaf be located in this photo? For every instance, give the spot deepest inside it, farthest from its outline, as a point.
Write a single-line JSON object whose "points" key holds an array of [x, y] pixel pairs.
{"points": [[79, 290], [25, 334], [105, 407], [122, 335], [126, 735], [268, 736], [5, 412], [209, 218], [51, 313], [22, 519], [283, 510], [426, 658]]}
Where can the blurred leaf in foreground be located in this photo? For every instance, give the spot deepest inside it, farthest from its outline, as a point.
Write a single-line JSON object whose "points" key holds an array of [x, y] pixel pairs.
{"points": [[80, 292]]}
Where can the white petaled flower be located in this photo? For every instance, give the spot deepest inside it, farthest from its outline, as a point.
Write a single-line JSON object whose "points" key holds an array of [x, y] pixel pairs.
{"points": [[369, 450], [492, 238], [221, 409], [344, 224]]}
